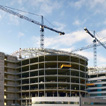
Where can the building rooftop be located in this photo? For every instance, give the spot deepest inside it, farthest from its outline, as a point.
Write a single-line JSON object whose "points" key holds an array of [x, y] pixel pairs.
{"points": [[97, 70], [33, 52]]}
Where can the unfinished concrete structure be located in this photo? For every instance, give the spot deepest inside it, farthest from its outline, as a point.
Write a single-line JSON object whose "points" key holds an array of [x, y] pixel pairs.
{"points": [[41, 76], [97, 82], [38, 74], [8, 82]]}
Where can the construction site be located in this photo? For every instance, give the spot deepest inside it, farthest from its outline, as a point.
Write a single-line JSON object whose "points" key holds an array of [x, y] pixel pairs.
{"points": [[48, 77], [42, 76]]}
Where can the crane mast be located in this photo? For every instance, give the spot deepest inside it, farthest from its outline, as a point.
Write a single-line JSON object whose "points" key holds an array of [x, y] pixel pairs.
{"points": [[95, 52], [42, 26], [42, 34], [94, 46]]}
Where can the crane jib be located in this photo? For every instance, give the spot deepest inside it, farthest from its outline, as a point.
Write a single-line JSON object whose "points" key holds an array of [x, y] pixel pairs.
{"points": [[28, 19]]}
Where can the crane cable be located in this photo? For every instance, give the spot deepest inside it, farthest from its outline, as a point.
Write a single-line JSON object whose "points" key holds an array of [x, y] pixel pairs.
{"points": [[30, 13]]}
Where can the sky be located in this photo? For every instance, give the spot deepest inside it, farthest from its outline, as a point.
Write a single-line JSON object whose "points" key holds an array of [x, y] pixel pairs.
{"points": [[69, 16]]}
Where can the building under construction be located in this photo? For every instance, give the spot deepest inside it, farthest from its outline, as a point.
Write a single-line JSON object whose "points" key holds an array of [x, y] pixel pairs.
{"points": [[41, 73], [97, 82], [44, 77]]}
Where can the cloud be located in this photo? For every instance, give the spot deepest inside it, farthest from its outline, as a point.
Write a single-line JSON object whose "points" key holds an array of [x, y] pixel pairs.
{"points": [[102, 33], [78, 3], [45, 6], [76, 22], [101, 60], [59, 26], [90, 3], [64, 41], [86, 53], [104, 22], [2, 14], [67, 49], [19, 2], [97, 6], [95, 3], [0, 17], [20, 34], [14, 19], [36, 41]]}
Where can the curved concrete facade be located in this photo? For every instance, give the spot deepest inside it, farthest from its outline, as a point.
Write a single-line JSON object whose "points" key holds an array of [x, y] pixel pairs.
{"points": [[41, 76]]}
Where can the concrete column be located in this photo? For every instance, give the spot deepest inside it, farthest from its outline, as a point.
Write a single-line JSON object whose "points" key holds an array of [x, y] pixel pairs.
{"points": [[1, 79], [38, 76], [44, 75], [29, 81], [79, 77], [70, 77], [21, 82], [57, 76]]}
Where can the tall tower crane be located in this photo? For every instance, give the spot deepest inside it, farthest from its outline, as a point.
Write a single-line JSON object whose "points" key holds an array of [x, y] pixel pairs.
{"points": [[94, 45], [42, 26]]}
